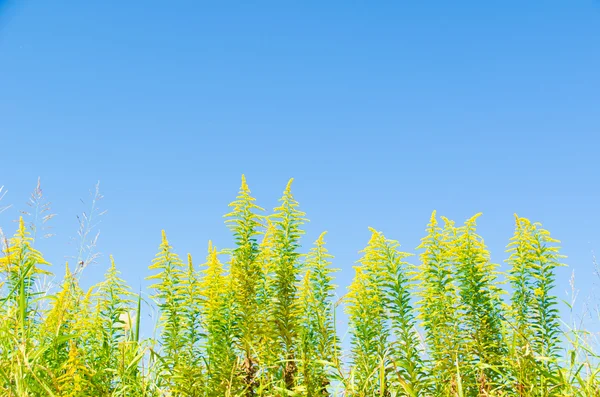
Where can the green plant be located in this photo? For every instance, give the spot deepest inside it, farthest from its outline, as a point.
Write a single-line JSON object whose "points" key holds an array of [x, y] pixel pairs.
{"points": [[259, 319]]}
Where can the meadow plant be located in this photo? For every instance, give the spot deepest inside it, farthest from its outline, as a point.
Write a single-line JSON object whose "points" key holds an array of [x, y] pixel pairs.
{"points": [[259, 319]]}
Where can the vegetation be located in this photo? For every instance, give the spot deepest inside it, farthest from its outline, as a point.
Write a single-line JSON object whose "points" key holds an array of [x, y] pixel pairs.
{"points": [[259, 319]]}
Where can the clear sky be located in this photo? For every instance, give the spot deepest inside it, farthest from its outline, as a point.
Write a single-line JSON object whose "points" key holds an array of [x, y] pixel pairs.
{"points": [[381, 111]]}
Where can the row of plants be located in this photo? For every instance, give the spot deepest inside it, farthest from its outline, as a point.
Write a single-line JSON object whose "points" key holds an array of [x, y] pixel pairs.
{"points": [[259, 319]]}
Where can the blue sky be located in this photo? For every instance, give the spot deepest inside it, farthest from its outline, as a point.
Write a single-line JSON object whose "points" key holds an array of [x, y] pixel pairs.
{"points": [[381, 111]]}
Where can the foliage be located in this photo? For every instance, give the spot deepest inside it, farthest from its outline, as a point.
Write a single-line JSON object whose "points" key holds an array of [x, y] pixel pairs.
{"points": [[259, 319]]}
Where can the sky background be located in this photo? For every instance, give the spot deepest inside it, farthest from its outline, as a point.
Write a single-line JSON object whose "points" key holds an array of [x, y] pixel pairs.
{"points": [[381, 111]]}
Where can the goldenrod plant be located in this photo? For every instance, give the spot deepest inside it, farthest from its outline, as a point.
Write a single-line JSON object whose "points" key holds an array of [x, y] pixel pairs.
{"points": [[369, 327], [438, 304], [536, 330], [190, 372], [319, 345], [217, 304], [479, 309], [259, 319], [169, 296], [288, 220], [245, 270]]}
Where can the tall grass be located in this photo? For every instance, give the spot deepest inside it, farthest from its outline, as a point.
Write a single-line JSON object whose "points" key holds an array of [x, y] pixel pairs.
{"points": [[258, 319]]}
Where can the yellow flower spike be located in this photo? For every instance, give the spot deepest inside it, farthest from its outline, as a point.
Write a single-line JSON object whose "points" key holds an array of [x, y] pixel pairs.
{"points": [[288, 187], [244, 187]]}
